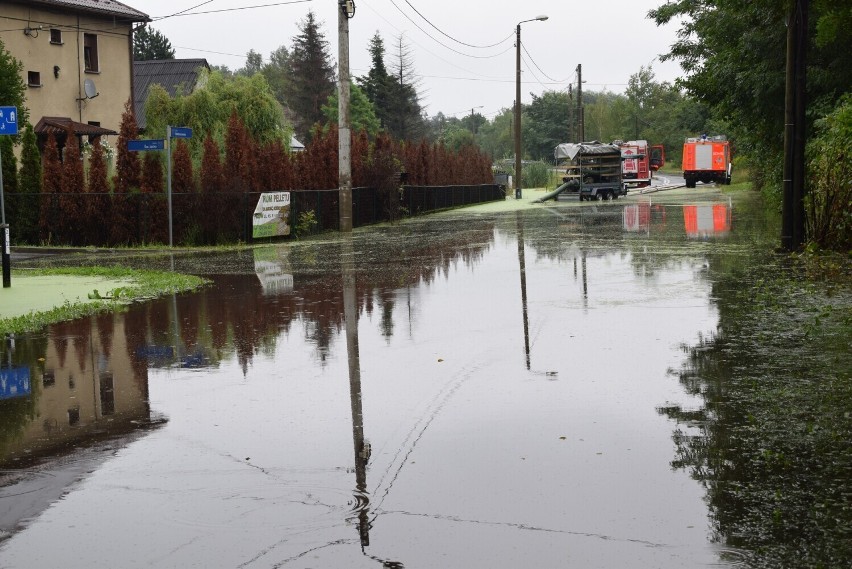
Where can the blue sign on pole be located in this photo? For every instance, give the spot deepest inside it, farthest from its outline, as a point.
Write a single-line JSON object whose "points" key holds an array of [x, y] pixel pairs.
{"points": [[15, 382], [181, 132], [137, 145], [9, 120]]}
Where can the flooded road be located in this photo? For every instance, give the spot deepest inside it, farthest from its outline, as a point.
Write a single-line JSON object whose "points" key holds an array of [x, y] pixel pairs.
{"points": [[463, 390]]}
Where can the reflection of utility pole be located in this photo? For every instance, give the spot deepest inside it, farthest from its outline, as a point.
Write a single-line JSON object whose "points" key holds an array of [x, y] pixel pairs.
{"points": [[522, 262], [362, 449], [585, 282], [361, 446]]}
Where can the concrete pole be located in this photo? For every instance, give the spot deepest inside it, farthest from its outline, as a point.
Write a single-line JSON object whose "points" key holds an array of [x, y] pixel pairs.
{"points": [[581, 120], [344, 141], [518, 113]]}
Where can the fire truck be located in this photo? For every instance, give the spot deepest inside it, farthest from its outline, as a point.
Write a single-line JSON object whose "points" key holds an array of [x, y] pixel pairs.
{"points": [[707, 159], [640, 161]]}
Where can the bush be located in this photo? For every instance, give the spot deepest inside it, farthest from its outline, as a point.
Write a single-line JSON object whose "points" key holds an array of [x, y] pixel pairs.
{"points": [[535, 175], [829, 199]]}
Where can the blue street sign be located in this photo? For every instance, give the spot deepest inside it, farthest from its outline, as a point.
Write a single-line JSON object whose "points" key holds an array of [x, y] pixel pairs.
{"points": [[14, 382], [137, 145], [9, 120], [181, 132]]}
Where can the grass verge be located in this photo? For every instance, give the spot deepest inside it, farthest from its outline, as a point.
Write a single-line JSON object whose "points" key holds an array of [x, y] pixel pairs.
{"points": [[145, 285]]}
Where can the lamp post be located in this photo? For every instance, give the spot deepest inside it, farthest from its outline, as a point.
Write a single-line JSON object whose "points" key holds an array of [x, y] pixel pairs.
{"points": [[518, 105]]}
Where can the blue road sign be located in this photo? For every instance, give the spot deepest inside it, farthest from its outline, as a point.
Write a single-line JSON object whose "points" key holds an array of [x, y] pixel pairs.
{"points": [[14, 382], [9, 120], [137, 145], [181, 132]]}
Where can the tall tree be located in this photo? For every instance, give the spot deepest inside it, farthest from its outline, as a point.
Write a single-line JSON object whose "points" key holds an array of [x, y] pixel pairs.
{"points": [[377, 83], [149, 44], [311, 77], [276, 73], [546, 124], [254, 64], [404, 121], [362, 111]]}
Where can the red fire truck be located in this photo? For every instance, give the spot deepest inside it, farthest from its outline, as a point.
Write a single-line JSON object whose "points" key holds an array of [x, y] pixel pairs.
{"points": [[707, 159], [640, 161]]}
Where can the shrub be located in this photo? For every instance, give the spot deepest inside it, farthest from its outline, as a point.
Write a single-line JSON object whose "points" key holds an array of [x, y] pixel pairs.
{"points": [[829, 199]]}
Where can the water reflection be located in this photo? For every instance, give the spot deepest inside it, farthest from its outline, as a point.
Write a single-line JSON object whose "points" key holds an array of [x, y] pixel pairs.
{"points": [[394, 356], [707, 220], [770, 437], [71, 389]]}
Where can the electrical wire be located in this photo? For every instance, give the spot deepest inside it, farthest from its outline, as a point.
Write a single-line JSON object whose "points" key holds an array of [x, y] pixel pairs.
{"points": [[183, 11], [231, 9], [539, 68], [442, 44], [451, 37]]}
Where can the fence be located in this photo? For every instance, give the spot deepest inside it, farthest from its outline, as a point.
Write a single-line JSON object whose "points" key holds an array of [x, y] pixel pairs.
{"points": [[203, 219]]}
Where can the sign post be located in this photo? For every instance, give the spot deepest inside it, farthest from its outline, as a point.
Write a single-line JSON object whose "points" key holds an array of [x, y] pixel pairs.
{"points": [[8, 127], [160, 144], [173, 132]]}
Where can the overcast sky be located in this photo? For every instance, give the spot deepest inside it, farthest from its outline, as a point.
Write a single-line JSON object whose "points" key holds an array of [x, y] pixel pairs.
{"points": [[610, 38]]}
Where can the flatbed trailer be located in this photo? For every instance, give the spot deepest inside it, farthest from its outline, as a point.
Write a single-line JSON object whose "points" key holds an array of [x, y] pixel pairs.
{"points": [[593, 170]]}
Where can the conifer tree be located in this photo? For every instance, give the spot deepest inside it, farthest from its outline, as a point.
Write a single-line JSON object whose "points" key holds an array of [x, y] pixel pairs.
{"points": [[72, 186], [97, 212], [212, 181], [29, 186], [377, 84], [184, 194], [311, 77], [50, 189], [124, 226], [154, 208]]}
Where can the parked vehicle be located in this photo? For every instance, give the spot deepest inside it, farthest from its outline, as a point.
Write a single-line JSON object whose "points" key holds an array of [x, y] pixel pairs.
{"points": [[639, 161], [593, 171], [707, 159]]}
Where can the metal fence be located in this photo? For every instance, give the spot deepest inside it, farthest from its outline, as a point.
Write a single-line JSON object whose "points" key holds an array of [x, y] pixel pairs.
{"points": [[92, 219]]}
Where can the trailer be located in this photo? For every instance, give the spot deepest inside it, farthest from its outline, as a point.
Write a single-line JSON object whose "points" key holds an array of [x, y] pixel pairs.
{"points": [[593, 171], [707, 159]]}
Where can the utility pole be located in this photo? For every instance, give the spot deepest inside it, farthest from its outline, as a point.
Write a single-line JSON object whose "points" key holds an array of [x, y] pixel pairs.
{"points": [[346, 10], [581, 120], [793, 205]]}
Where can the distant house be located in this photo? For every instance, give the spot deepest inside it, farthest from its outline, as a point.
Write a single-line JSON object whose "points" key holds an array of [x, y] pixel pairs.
{"points": [[295, 145], [176, 76], [77, 60]]}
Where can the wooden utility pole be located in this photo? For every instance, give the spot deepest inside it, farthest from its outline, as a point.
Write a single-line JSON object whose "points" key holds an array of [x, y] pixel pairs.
{"points": [[793, 206], [344, 141]]}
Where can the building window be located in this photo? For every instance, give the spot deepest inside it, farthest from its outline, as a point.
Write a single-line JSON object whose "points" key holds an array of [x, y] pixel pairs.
{"points": [[33, 79], [90, 52], [74, 416], [55, 36]]}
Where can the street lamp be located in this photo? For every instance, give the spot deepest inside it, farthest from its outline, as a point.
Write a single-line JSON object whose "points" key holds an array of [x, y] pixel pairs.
{"points": [[518, 105]]}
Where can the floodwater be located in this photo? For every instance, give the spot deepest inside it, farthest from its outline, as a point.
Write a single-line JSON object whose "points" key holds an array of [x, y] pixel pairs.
{"points": [[460, 390]]}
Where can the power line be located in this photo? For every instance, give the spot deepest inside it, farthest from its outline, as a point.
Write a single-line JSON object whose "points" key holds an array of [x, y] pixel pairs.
{"points": [[452, 38], [524, 47], [231, 9], [434, 39]]}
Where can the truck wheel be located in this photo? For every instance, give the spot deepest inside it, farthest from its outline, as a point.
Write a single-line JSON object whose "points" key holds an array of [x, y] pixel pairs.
{"points": [[599, 196], [690, 183]]}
